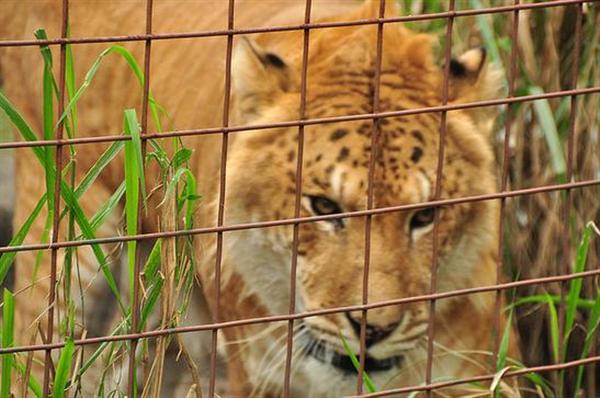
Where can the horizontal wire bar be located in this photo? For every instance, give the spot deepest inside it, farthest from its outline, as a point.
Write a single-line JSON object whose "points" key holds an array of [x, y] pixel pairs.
{"points": [[308, 122], [450, 383], [309, 314], [302, 220], [286, 28]]}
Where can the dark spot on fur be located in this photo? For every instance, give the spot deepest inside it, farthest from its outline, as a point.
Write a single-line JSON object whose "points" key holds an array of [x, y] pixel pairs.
{"points": [[329, 169], [291, 156], [417, 152], [355, 163], [418, 136], [318, 183], [338, 134], [344, 152], [318, 158]]}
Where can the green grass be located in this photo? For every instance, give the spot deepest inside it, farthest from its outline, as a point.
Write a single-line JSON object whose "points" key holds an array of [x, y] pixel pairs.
{"points": [[369, 385], [63, 370], [573, 303], [8, 324], [133, 189]]}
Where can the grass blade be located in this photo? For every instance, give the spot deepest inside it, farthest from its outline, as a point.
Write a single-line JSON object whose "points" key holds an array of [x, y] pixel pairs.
{"points": [[34, 385], [134, 66], [123, 326], [93, 173], [153, 296], [190, 195], [554, 329], [576, 284], [580, 303], [153, 262], [548, 126], [98, 219], [66, 193], [132, 186], [132, 128], [366, 379], [70, 85], [504, 343], [8, 323], [592, 327], [63, 369]]}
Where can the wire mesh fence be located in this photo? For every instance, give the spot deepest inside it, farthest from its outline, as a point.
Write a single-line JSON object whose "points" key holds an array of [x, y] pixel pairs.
{"points": [[329, 249]]}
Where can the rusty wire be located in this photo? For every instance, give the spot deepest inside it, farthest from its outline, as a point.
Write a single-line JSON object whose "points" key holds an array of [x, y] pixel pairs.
{"points": [[287, 28], [512, 74], [297, 201], [375, 132], [58, 162], [217, 324], [309, 122], [291, 221], [138, 266], [439, 175], [307, 314]]}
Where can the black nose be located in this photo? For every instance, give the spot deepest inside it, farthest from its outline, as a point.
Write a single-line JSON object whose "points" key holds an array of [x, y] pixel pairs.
{"points": [[373, 334]]}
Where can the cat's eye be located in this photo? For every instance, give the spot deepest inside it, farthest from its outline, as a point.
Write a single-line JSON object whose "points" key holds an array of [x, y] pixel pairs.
{"points": [[422, 218], [323, 206]]}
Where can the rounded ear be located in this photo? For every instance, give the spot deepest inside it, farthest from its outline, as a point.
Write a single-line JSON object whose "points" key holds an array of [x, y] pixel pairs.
{"points": [[257, 78], [473, 79]]}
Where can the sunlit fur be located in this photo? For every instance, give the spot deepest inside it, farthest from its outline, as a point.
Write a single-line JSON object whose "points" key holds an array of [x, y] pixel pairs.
{"points": [[260, 185]]}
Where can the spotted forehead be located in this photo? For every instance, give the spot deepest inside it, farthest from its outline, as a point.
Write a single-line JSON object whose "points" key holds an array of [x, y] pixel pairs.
{"points": [[337, 157], [402, 142]]}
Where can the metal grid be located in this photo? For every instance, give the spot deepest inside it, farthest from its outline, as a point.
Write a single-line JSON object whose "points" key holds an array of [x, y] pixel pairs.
{"points": [[376, 116]]}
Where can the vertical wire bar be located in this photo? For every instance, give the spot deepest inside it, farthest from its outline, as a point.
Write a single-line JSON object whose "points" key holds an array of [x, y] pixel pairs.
{"points": [[221, 209], [57, 180], [436, 195], [566, 240], [296, 227], [504, 181], [135, 315], [369, 219]]}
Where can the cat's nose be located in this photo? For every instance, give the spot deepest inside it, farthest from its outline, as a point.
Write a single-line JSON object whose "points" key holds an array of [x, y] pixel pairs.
{"points": [[373, 333]]}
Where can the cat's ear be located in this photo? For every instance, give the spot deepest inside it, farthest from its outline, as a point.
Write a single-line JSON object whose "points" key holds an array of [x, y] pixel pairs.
{"points": [[472, 78], [258, 77]]}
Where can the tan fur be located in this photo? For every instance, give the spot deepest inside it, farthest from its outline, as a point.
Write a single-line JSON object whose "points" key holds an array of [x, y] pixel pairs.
{"points": [[187, 78]]}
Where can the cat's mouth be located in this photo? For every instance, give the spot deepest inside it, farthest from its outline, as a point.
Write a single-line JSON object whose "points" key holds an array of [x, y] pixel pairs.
{"points": [[324, 352]]}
